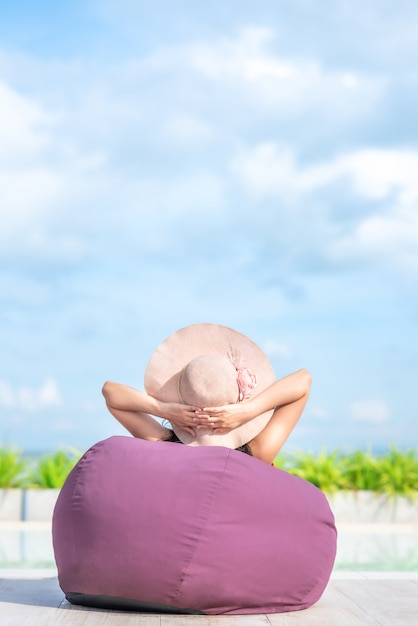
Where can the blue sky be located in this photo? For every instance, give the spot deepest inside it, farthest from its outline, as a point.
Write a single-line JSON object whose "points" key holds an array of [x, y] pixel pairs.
{"points": [[251, 164]]}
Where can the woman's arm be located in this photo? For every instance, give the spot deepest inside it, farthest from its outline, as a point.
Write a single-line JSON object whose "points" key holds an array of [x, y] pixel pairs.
{"points": [[287, 396], [268, 443], [133, 409]]}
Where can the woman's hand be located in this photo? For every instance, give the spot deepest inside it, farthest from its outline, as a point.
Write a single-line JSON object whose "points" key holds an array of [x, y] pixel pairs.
{"points": [[181, 415], [223, 418]]}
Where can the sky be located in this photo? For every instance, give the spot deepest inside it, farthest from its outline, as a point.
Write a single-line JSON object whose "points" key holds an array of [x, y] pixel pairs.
{"points": [[252, 164]]}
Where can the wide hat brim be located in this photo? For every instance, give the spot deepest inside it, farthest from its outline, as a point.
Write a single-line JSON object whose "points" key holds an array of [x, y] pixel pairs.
{"points": [[167, 362]]}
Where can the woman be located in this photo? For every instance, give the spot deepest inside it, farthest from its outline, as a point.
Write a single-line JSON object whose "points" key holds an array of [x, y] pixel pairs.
{"points": [[215, 387]]}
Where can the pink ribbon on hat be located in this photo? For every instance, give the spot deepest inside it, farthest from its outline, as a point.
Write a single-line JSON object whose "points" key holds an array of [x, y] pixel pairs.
{"points": [[246, 380]]}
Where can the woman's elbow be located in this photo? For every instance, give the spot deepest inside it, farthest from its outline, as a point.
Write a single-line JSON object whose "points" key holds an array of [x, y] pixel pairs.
{"points": [[306, 380], [107, 390]]}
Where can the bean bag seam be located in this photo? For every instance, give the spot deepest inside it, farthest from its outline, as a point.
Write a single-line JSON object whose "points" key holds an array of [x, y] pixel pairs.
{"points": [[203, 527], [77, 480], [58, 513]]}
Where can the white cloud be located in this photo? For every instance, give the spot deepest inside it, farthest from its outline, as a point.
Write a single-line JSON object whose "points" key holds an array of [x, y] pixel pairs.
{"points": [[30, 399], [90, 156], [186, 130], [391, 239], [30, 187], [376, 173], [26, 197], [289, 84], [372, 410], [241, 58], [271, 169], [45, 178], [266, 169], [390, 234], [387, 177], [52, 201], [173, 197], [20, 121]]}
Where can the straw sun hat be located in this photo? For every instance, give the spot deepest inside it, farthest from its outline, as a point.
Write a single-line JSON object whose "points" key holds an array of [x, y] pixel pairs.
{"points": [[210, 365]]}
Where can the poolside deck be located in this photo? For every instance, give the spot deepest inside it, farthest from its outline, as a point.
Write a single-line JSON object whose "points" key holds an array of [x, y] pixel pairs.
{"points": [[33, 598]]}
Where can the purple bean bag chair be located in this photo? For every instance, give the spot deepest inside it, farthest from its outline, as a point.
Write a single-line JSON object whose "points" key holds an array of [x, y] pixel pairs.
{"points": [[167, 527]]}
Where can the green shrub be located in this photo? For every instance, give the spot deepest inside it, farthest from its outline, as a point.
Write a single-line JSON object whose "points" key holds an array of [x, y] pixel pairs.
{"points": [[52, 469], [393, 473], [398, 473], [361, 471], [324, 470], [13, 469]]}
